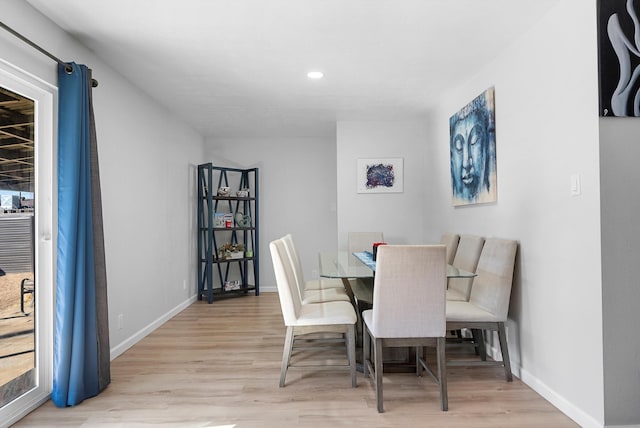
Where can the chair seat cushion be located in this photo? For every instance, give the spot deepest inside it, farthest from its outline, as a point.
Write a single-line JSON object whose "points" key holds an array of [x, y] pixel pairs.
{"points": [[455, 295], [323, 283], [326, 313], [468, 312], [367, 317], [325, 295]]}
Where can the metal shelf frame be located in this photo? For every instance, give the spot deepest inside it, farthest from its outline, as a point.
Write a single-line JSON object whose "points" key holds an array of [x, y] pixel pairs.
{"points": [[213, 271]]}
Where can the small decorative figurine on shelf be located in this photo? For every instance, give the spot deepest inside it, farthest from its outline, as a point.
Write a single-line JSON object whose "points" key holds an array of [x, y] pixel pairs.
{"points": [[242, 220], [243, 193], [231, 251]]}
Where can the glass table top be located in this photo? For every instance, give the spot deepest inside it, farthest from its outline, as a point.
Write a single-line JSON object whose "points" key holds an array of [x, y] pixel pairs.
{"points": [[341, 264]]}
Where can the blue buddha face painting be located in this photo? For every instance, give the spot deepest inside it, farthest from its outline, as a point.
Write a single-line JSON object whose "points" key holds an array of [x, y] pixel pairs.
{"points": [[473, 151]]}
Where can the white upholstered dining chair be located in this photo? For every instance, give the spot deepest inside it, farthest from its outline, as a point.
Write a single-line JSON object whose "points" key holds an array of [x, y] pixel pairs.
{"points": [[313, 291], [309, 284], [488, 303], [450, 240], [466, 258], [408, 311], [309, 324]]}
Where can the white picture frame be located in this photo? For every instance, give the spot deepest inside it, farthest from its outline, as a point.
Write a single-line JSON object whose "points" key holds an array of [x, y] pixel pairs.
{"points": [[380, 175]]}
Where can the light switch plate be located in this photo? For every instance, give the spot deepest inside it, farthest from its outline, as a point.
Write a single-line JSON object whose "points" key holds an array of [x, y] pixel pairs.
{"points": [[575, 185]]}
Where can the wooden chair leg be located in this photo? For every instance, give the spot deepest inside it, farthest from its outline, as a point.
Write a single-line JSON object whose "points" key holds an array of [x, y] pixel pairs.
{"points": [[377, 354], [442, 373], [502, 336], [286, 355]]}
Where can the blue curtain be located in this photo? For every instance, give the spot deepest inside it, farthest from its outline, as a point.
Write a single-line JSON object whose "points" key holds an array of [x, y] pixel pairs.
{"points": [[81, 340]]}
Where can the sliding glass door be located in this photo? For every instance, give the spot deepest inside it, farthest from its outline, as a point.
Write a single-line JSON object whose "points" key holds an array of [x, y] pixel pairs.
{"points": [[26, 242], [17, 255]]}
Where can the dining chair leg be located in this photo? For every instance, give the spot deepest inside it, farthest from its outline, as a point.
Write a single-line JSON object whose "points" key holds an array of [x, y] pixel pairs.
{"points": [[502, 336], [366, 350], [351, 346], [286, 355], [478, 339], [442, 373], [420, 354], [377, 354]]}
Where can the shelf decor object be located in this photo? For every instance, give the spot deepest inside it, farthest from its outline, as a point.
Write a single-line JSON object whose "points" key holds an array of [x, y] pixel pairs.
{"points": [[228, 244]]}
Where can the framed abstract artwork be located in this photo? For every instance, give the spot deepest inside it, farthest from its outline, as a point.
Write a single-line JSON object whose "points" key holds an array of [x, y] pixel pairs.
{"points": [[472, 145], [619, 57], [380, 175]]}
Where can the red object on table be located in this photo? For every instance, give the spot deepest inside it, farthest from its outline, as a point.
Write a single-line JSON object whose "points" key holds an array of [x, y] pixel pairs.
{"points": [[375, 248]]}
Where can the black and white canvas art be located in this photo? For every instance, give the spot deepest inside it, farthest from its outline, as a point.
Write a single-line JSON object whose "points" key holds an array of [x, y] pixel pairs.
{"points": [[619, 57]]}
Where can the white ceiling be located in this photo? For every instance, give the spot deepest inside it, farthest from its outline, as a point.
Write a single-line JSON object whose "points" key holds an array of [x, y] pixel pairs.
{"points": [[238, 67]]}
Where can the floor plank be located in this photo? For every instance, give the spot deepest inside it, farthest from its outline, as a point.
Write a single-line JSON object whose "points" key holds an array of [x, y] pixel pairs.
{"points": [[218, 366]]}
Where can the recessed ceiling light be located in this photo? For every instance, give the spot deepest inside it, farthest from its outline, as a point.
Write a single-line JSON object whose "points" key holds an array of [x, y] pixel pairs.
{"points": [[315, 75]]}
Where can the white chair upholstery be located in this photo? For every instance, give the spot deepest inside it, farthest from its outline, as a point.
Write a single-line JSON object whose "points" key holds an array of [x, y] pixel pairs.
{"points": [[466, 258], [314, 295], [303, 321], [488, 303], [450, 240], [312, 284], [408, 310]]}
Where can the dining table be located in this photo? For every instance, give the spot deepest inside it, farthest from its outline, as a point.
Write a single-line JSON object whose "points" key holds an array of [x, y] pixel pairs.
{"points": [[357, 271]]}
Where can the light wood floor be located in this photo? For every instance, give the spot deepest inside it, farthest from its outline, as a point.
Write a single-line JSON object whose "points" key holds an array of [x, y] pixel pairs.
{"points": [[218, 366]]}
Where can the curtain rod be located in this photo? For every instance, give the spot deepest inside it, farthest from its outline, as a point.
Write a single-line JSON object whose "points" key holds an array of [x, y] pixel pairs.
{"points": [[68, 66]]}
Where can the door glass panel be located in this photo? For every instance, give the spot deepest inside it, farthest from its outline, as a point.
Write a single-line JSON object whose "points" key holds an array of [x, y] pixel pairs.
{"points": [[17, 246]]}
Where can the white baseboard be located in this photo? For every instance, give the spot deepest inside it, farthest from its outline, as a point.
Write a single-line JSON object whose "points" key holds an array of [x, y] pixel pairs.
{"points": [[141, 334], [566, 407]]}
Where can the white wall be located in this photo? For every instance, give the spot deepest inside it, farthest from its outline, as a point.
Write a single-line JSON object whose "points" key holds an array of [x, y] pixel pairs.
{"points": [[147, 161], [546, 130], [398, 215], [297, 193], [619, 151]]}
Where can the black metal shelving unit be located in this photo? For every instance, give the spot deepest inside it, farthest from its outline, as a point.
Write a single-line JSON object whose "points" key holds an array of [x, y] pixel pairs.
{"points": [[219, 276]]}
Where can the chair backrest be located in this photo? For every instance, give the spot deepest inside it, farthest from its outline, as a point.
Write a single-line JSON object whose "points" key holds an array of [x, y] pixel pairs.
{"points": [[295, 262], [363, 241], [409, 291], [450, 240], [290, 300], [467, 256], [491, 289]]}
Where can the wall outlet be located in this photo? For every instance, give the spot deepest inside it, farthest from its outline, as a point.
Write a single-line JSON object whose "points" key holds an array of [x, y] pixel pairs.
{"points": [[120, 321], [184, 284]]}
